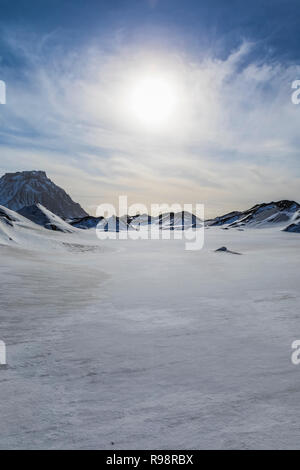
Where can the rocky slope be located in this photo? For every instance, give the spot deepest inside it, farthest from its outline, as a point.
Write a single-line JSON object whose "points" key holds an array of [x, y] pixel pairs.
{"points": [[260, 216], [27, 188]]}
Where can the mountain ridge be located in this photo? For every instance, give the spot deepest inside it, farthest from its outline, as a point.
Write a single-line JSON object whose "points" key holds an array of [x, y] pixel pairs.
{"points": [[27, 188], [260, 215], [24, 191]]}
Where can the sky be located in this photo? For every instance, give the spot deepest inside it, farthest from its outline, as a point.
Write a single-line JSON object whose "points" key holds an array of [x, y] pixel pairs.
{"points": [[218, 128]]}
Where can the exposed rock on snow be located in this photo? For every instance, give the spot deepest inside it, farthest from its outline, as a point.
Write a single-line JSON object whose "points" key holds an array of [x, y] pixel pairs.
{"points": [[225, 249], [295, 225], [11, 216], [295, 228], [27, 188]]}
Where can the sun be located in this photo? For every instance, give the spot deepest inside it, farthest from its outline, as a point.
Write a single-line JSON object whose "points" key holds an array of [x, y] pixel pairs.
{"points": [[153, 101]]}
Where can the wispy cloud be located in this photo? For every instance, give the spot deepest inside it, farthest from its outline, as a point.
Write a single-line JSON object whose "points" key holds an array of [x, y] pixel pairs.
{"points": [[233, 139]]}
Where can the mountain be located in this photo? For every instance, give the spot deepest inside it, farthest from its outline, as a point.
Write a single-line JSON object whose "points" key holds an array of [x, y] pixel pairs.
{"points": [[114, 224], [225, 219], [260, 216], [168, 221], [27, 188], [39, 215], [86, 222]]}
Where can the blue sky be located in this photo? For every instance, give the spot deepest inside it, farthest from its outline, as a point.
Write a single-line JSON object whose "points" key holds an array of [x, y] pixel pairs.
{"points": [[233, 139]]}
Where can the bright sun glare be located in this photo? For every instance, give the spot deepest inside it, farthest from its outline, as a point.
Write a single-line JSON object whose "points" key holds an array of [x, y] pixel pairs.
{"points": [[153, 101]]}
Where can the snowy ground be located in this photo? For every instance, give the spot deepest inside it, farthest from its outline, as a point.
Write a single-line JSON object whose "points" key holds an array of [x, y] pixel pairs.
{"points": [[141, 344]]}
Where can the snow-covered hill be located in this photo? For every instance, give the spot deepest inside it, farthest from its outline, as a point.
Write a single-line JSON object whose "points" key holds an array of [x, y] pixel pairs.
{"points": [[29, 229], [42, 216], [27, 188], [279, 213], [13, 225]]}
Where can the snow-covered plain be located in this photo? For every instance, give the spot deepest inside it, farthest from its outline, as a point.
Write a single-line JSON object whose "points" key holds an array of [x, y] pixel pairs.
{"points": [[123, 344]]}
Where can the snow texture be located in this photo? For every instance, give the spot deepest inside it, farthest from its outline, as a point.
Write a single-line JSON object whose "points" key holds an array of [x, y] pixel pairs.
{"points": [[146, 345]]}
